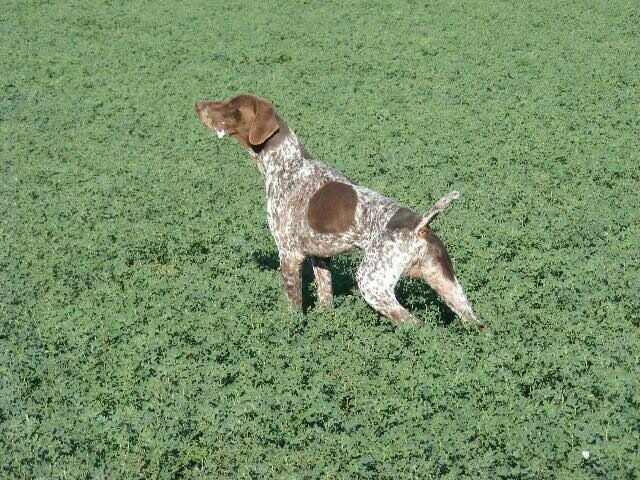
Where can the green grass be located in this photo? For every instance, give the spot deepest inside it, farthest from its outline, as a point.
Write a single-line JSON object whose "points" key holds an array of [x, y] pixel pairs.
{"points": [[143, 329]]}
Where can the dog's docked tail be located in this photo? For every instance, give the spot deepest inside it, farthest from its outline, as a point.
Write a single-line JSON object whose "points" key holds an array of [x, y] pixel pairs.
{"points": [[440, 206]]}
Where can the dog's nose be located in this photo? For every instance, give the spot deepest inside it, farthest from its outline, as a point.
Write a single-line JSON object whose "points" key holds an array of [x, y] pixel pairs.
{"points": [[199, 106]]}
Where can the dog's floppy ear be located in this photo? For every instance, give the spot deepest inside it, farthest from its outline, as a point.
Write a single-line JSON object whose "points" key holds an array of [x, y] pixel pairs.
{"points": [[264, 124]]}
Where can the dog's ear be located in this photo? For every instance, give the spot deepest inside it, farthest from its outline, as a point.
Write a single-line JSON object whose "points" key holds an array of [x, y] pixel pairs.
{"points": [[264, 124]]}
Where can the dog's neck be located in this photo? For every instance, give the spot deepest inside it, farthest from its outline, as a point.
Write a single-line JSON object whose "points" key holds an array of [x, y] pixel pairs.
{"points": [[282, 152]]}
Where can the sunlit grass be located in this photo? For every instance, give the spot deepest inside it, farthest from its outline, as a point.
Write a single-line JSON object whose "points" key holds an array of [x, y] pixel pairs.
{"points": [[143, 328]]}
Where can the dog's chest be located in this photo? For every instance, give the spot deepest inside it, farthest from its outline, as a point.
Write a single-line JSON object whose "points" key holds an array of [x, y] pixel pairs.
{"points": [[285, 201]]}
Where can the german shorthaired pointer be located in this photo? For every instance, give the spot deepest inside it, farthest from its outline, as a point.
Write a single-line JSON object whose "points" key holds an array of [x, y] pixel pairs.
{"points": [[314, 210]]}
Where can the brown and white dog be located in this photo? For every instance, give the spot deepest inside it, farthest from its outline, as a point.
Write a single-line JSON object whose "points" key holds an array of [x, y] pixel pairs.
{"points": [[314, 210]]}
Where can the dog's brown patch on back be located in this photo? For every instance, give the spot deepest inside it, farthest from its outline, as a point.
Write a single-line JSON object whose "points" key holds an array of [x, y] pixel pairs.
{"points": [[403, 219], [332, 209], [440, 255]]}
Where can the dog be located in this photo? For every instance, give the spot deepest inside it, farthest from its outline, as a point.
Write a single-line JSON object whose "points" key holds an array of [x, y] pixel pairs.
{"points": [[314, 210]]}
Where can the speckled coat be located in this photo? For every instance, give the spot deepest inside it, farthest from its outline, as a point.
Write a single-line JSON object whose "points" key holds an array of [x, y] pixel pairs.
{"points": [[314, 210]]}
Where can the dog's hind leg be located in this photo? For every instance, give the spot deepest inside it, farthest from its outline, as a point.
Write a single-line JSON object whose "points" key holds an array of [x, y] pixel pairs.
{"points": [[377, 285], [323, 281]]}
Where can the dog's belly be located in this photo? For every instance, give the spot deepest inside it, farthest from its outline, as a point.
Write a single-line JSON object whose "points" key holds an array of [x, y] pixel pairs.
{"points": [[329, 245]]}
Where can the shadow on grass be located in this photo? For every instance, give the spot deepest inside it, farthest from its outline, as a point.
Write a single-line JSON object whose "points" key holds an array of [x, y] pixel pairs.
{"points": [[415, 295], [342, 275]]}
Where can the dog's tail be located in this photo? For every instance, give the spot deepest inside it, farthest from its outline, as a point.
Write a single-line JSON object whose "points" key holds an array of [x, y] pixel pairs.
{"points": [[440, 206]]}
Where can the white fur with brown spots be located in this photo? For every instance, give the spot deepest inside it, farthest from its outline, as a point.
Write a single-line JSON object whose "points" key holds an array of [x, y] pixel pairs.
{"points": [[302, 192]]}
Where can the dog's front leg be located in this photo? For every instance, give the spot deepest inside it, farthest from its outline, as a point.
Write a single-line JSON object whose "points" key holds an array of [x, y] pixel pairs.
{"points": [[323, 280], [290, 268]]}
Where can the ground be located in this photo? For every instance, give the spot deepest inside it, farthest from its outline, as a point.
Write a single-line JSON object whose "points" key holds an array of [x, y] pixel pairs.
{"points": [[143, 328]]}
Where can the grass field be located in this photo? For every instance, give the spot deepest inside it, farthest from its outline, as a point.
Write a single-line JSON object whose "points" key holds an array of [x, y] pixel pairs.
{"points": [[143, 328]]}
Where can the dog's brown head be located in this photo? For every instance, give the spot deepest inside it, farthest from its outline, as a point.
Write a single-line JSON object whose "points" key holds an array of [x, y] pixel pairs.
{"points": [[250, 120]]}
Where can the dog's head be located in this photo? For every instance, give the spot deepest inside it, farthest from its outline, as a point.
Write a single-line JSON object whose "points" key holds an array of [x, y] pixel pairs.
{"points": [[248, 119]]}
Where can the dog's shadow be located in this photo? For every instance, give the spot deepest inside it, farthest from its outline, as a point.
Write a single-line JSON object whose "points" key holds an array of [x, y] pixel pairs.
{"points": [[415, 295]]}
